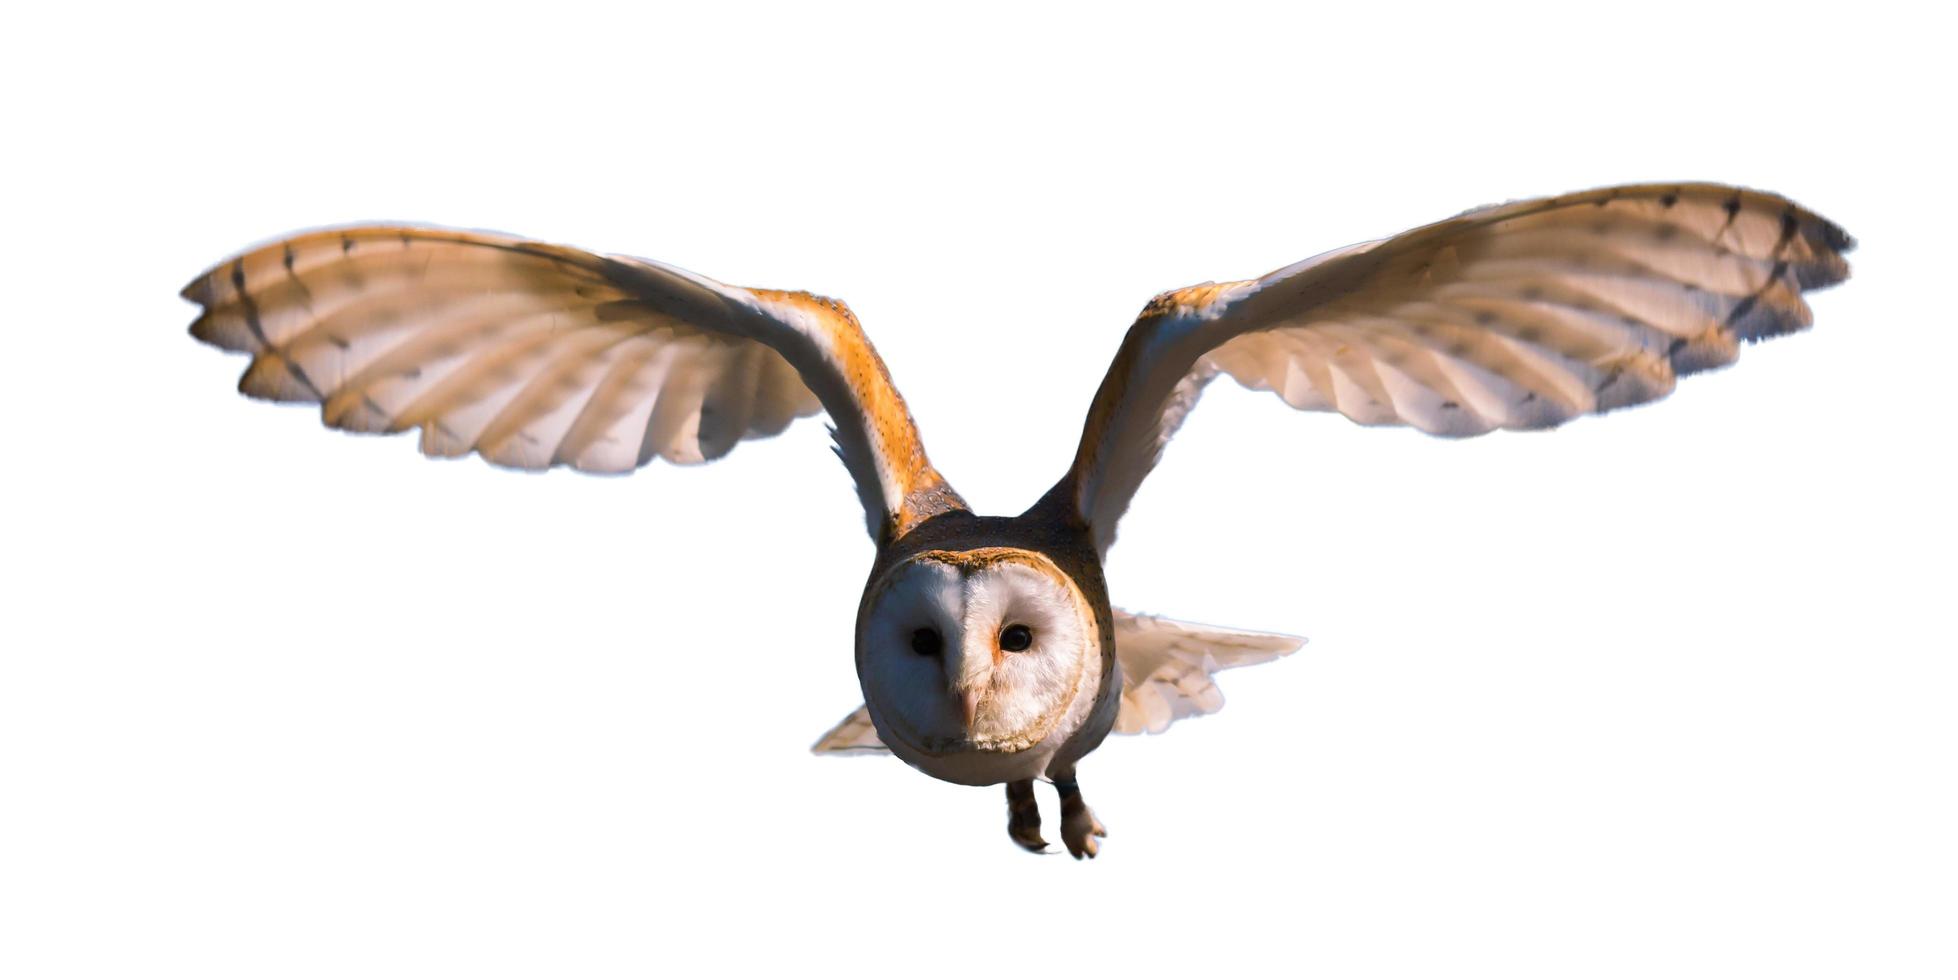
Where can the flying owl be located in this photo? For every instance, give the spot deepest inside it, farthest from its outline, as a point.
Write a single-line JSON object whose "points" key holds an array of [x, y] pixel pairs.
{"points": [[986, 646]]}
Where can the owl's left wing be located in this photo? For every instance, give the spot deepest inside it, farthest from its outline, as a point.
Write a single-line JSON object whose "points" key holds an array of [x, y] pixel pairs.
{"points": [[1167, 667], [1519, 316]]}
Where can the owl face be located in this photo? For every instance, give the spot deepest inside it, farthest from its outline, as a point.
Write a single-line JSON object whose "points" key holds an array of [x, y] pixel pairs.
{"points": [[981, 650]]}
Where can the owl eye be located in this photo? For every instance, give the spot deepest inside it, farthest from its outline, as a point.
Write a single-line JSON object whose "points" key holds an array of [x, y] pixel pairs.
{"points": [[1015, 638], [927, 643]]}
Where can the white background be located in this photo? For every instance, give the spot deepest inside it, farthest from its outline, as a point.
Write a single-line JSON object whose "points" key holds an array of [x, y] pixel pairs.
{"points": [[1668, 693]]}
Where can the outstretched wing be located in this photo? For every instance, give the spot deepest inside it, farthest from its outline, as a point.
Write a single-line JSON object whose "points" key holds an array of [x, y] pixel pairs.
{"points": [[535, 355], [1167, 667], [1519, 316]]}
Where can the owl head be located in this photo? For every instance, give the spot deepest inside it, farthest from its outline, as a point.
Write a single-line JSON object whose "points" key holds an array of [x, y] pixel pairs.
{"points": [[973, 651]]}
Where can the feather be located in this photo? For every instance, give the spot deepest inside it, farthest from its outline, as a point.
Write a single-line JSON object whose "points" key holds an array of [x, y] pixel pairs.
{"points": [[854, 735], [1521, 316], [534, 355], [1167, 667]]}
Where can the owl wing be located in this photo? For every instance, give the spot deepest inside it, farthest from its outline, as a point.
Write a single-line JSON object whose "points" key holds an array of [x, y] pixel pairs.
{"points": [[1518, 316], [1167, 667], [535, 355], [854, 735]]}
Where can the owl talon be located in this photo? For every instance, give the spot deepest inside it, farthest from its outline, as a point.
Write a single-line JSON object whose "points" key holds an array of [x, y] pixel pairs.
{"points": [[1080, 831], [1023, 816], [1082, 834]]}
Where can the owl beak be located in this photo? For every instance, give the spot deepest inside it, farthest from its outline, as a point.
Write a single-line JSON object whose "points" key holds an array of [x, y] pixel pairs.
{"points": [[970, 702], [971, 676]]}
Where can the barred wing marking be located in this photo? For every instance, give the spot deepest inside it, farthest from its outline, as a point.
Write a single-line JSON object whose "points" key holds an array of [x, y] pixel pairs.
{"points": [[535, 355], [1520, 316]]}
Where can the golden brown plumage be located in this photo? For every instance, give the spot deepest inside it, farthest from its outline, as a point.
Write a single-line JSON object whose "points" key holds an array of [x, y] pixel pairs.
{"points": [[535, 355], [1520, 316]]}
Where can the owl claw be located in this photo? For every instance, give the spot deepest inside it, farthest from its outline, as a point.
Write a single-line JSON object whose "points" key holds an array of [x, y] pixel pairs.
{"points": [[1023, 817], [1081, 832], [1079, 828]]}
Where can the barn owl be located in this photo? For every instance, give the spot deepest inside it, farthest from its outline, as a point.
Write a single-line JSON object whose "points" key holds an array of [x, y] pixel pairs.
{"points": [[986, 646]]}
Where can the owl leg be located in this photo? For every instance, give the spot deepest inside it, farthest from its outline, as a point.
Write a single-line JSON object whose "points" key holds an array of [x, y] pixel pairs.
{"points": [[1023, 816], [1079, 828]]}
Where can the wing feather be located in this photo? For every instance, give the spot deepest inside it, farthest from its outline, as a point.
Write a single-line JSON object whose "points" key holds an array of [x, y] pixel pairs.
{"points": [[856, 734], [534, 355], [1168, 667], [1520, 316]]}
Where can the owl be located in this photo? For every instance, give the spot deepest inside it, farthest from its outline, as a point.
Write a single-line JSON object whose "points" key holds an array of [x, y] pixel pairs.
{"points": [[986, 646]]}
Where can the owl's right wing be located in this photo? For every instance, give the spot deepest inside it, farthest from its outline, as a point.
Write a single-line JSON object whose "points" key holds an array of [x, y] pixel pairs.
{"points": [[856, 734], [535, 355], [1519, 316]]}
